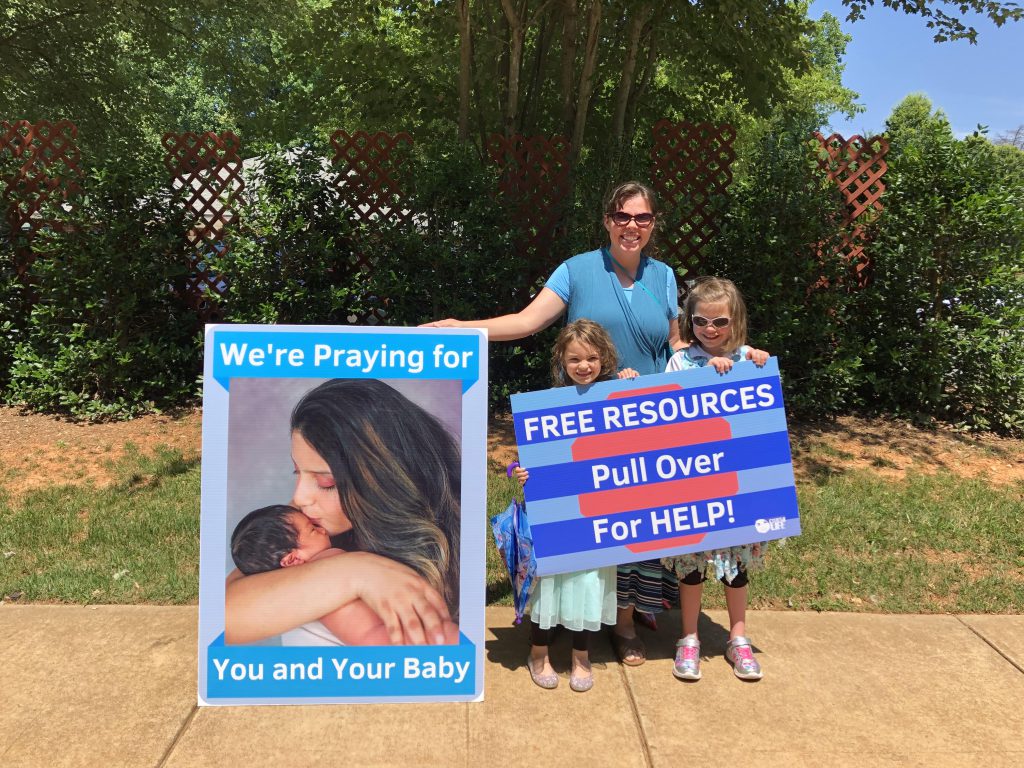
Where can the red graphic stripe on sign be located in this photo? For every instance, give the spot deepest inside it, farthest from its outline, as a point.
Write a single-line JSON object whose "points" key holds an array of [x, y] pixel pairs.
{"points": [[675, 492], [679, 541], [650, 439], [648, 391]]}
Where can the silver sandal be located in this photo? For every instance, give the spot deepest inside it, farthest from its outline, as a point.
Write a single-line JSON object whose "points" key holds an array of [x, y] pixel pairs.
{"points": [[544, 681]]}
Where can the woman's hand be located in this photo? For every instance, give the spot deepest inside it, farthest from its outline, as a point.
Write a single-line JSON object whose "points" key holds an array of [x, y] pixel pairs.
{"points": [[759, 356], [412, 611], [628, 373], [721, 364], [448, 322]]}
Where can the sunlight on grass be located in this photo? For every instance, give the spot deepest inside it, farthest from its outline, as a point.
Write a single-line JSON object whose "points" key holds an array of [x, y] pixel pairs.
{"points": [[927, 544], [134, 542], [930, 543]]}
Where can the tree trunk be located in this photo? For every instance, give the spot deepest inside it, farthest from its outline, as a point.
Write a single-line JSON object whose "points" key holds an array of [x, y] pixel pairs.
{"points": [[481, 93], [566, 80], [628, 71], [518, 22], [536, 84], [501, 32], [646, 76], [586, 88], [465, 61], [516, 35]]}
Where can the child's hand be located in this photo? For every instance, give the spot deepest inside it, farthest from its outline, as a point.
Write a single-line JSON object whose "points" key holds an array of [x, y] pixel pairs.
{"points": [[521, 475], [628, 373], [759, 356], [721, 364]]}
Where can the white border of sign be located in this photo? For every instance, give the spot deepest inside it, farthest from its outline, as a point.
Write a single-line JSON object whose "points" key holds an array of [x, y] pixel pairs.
{"points": [[429, 364]]}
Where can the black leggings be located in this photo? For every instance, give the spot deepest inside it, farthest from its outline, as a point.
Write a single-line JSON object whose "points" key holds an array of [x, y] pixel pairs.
{"points": [[580, 639], [695, 577]]}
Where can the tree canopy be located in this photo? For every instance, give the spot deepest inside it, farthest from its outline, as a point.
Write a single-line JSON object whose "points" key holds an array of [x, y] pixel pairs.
{"points": [[948, 19], [592, 70], [122, 70], [100, 333]]}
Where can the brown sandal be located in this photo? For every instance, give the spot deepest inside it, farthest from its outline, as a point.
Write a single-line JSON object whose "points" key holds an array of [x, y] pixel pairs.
{"points": [[630, 650], [645, 619]]}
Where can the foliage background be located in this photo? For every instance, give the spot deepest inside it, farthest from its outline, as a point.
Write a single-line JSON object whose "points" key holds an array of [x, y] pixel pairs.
{"points": [[96, 330]]}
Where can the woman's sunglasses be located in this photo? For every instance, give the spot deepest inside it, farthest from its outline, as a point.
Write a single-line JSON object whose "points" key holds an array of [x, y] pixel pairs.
{"points": [[621, 218], [718, 322]]}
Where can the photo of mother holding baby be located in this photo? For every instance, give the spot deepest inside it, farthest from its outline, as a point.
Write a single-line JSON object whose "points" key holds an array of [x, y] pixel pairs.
{"points": [[366, 551]]}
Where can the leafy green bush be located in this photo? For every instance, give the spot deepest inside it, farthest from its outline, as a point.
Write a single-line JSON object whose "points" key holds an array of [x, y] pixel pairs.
{"points": [[106, 336], [459, 258], [296, 255], [779, 212], [13, 306], [290, 260], [946, 313], [939, 333]]}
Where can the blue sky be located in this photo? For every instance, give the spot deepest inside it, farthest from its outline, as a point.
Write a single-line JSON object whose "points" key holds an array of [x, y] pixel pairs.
{"points": [[893, 54]]}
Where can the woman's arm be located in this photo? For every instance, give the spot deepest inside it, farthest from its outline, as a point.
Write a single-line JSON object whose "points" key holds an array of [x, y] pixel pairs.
{"points": [[270, 603], [353, 623], [545, 308], [356, 624], [675, 338]]}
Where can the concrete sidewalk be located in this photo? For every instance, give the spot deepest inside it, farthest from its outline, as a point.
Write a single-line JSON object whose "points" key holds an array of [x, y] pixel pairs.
{"points": [[116, 686]]}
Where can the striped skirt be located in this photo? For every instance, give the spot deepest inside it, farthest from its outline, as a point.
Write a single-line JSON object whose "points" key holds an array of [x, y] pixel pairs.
{"points": [[647, 585]]}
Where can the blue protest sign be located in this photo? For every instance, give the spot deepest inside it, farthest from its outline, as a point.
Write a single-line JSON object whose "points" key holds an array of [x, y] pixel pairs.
{"points": [[659, 465], [330, 454]]}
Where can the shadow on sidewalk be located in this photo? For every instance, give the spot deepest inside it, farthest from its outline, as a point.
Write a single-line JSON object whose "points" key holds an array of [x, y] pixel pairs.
{"points": [[511, 644]]}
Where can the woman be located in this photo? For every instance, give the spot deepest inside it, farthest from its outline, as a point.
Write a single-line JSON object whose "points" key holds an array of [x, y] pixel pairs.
{"points": [[382, 476], [636, 299]]}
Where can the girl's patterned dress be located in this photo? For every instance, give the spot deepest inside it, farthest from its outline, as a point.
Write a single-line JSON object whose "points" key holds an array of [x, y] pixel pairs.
{"points": [[724, 563]]}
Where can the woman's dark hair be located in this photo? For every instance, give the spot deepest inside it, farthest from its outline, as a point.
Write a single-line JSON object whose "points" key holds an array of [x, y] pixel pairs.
{"points": [[263, 538], [397, 471], [627, 191]]}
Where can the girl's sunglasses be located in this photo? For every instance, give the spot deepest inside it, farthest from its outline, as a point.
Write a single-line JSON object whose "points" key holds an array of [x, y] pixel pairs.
{"points": [[621, 218], [718, 322]]}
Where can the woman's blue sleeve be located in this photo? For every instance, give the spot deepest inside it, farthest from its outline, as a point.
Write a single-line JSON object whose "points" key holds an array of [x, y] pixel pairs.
{"points": [[559, 282]]}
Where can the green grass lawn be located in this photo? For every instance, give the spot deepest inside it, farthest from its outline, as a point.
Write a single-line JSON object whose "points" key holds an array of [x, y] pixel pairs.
{"points": [[136, 542], [929, 543]]}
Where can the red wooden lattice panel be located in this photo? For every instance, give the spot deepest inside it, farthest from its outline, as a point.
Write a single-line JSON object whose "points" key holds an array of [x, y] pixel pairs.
{"points": [[535, 180], [46, 173], [857, 165], [369, 182], [207, 167], [691, 164]]}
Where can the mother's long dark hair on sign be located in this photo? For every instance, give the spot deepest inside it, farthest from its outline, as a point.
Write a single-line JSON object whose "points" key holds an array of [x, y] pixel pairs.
{"points": [[397, 474]]}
